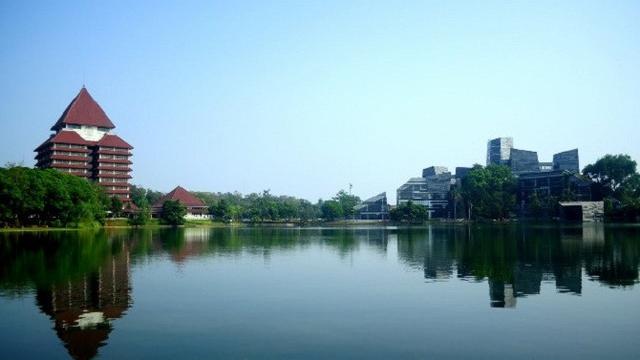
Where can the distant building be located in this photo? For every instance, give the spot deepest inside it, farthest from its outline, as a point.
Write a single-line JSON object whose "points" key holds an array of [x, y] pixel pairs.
{"points": [[522, 161], [375, 208], [558, 184], [196, 209], [430, 191], [499, 150], [83, 145], [545, 166], [567, 160]]}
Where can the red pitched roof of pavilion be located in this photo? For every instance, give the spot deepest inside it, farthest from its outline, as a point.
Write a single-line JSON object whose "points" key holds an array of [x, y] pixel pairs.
{"points": [[83, 110], [181, 195], [113, 141]]}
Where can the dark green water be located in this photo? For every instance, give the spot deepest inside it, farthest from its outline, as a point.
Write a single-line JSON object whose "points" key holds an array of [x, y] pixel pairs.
{"points": [[434, 292]]}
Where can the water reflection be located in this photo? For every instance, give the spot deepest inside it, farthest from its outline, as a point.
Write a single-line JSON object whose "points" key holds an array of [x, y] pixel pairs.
{"points": [[515, 260], [82, 280]]}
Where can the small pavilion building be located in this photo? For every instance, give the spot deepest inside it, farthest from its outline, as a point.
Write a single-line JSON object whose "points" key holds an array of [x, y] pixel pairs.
{"points": [[196, 208]]}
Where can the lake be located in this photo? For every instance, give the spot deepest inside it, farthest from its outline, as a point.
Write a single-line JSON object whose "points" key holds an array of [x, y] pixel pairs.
{"points": [[440, 291]]}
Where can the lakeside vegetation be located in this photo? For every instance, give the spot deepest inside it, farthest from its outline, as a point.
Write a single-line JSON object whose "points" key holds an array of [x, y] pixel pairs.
{"points": [[51, 199]]}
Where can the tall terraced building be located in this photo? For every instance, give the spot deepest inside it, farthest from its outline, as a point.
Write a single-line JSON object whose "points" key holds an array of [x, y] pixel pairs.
{"points": [[83, 144]]}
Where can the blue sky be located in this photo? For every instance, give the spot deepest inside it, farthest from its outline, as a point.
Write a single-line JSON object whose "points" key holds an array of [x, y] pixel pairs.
{"points": [[305, 97]]}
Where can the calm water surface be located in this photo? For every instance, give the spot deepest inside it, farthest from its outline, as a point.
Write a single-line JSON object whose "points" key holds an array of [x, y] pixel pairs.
{"points": [[439, 292]]}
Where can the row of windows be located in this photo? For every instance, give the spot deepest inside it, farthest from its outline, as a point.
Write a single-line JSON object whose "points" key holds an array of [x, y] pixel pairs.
{"points": [[111, 180], [73, 170], [116, 157], [68, 146], [68, 153], [112, 172], [69, 162]]}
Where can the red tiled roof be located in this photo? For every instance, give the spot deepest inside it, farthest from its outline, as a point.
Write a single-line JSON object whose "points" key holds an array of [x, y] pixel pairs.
{"points": [[65, 137], [113, 141], [181, 195], [83, 110]]}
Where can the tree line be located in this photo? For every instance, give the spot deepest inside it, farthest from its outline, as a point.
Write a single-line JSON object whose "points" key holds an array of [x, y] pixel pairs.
{"points": [[34, 197]]}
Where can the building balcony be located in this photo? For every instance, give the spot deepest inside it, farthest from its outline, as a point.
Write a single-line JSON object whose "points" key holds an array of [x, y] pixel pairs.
{"points": [[113, 176], [70, 166], [70, 158], [101, 162], [114, 152], [109, 167]]}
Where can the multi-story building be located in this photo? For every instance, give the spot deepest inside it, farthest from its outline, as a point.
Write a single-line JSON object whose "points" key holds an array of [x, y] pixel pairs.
{"points": [[522, 161], [430, 191], [375, 208], [499, 150], [567, 160], [83, 144]]}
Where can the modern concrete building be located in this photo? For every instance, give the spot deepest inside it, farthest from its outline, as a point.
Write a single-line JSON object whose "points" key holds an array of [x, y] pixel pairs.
{"points": [[522, 161], [196, 208], [83, 144], [567, 160], [375, 208], [499, 150], [557, 184], [430, 191]]}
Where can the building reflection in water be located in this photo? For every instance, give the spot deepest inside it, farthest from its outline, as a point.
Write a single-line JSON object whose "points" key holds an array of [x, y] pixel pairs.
{"points": [[83, 310], [516, 260]]}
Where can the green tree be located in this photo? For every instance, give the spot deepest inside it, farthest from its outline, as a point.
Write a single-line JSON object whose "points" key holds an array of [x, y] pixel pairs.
{"points": [[408, 213], [141, 217], [489, 192], [347, 203], [610, 172], [331, 210], [173, 213], [115, 206]]}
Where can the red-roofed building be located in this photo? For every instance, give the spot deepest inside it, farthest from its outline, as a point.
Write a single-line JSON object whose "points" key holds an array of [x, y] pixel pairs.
{"points": [[83, 145], [196, 208]]}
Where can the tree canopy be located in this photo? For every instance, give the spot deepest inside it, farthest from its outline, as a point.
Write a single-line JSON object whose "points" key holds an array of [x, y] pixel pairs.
{"points": [[35, 197], [173, 213], [489, 192]]}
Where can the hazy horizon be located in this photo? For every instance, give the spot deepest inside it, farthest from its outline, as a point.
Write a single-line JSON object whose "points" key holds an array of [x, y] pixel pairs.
{"points": [[306, 98]]}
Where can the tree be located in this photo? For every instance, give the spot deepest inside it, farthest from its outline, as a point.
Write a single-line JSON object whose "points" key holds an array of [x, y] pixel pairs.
{"points": [[115, 206], [141, 217], [221, 210], [408, 213], [331, 210], [347, 203], [48, 198], [610, 172], [173, 213], [489, 191]]}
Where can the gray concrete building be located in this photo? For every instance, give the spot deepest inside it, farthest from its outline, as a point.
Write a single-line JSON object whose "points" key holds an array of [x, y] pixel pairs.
{"points": [[375, 208], [499, 150], [430, 191]]}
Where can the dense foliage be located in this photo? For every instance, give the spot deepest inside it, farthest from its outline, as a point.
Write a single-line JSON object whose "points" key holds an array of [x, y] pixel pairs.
{"points": [[173, 213], [34, 197], [409, 213], [141, 196], [489, 192], [617, 182], [140, 217], [265, 207]]}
